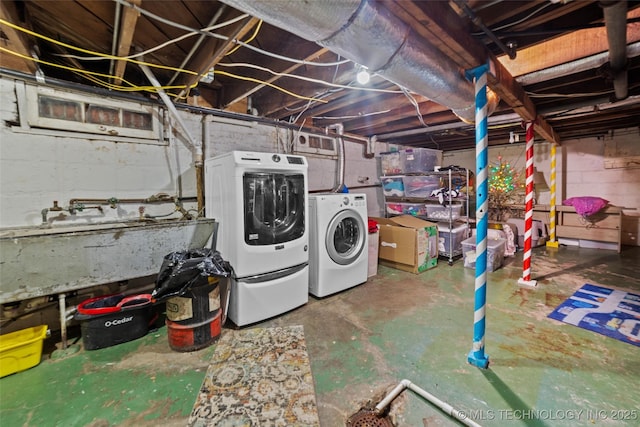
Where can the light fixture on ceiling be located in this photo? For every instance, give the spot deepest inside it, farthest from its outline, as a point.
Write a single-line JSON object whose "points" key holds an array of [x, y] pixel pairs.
{"points": [[363, 75]]}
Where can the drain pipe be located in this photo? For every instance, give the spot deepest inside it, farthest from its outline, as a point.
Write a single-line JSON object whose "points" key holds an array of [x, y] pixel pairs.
{"points": [[406, 384], [615, 18], [339, 128], [62, 298], [198, 155]]}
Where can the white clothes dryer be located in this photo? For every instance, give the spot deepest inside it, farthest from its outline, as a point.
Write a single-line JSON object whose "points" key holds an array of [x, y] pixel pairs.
{"points": [[338, 248], [260, 202]]}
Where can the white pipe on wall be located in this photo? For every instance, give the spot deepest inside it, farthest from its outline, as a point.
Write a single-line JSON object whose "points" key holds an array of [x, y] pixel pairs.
{"points": [[197, 145]]}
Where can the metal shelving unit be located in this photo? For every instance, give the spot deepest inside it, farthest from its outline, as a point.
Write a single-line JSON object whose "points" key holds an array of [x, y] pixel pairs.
{"points": [[446, 177]]}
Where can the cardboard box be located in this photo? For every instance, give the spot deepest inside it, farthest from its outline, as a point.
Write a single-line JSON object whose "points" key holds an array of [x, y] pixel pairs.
{"points": [[408, 243]]}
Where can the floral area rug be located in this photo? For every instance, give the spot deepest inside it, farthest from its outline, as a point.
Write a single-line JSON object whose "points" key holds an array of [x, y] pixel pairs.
{"points": [[258, 377]]}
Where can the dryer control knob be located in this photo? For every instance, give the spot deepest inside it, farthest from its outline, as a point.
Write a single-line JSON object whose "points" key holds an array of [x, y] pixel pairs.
{"points": [[345, 201], [275, 158]]}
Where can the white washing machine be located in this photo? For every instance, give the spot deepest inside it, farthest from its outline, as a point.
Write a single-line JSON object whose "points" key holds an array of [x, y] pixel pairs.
{"points": [[338, 248]]}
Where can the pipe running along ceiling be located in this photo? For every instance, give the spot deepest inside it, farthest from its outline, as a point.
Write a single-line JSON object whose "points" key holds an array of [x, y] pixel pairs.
{"points": [[368, 34]]}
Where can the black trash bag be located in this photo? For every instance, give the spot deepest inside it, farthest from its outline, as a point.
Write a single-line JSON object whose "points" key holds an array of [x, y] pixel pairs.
{"points": [[185, 269]]}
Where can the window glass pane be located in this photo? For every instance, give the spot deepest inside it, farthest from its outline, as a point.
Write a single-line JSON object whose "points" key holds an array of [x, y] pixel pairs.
{"points": [[135, 120], [54, 108], [103, 115]]}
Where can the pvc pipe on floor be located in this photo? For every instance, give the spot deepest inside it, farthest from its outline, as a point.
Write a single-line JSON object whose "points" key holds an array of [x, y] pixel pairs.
{"points": [[444, 406]]}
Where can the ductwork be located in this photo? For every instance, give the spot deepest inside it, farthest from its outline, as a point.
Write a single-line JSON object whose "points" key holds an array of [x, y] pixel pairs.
{"points": [[339, 128], [615, 19], [368, 34]]}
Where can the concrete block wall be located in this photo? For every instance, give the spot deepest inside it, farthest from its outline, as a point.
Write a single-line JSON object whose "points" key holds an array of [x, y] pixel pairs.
{"points": [[40, 166], [581, 170]]}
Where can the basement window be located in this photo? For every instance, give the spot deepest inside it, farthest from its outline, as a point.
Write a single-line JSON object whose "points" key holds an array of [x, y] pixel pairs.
{"points": [[306, 143], [119, 120]]}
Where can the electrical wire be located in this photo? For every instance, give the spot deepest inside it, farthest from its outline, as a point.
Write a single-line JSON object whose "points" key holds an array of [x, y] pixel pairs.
{"points": [[251, 79], [355, 116], [249, 40], [223, 37], [132, 86], [90, 52], [162, 45], [307, 79], [64, 67], [415, 104], [511, 24]]}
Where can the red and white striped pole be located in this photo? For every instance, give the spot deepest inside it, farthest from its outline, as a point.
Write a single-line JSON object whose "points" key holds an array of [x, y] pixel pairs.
{"points": [[528, 210]]}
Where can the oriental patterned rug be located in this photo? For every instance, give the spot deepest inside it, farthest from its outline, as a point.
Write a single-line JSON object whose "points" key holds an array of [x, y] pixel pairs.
{"points": [[258, 377], [609, 312]]}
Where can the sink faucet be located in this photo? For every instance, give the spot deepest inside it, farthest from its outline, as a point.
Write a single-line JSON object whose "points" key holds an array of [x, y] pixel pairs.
{"points": [[54, 208]]}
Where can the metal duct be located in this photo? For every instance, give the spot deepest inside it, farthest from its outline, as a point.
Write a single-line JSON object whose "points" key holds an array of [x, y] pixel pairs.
{"points": [[339, 128], [368, 34], [615, 19]]}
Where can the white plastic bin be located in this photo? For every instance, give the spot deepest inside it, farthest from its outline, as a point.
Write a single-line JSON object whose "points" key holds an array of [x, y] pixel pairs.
{"points": [[451, 237], [420, 185], [391, 163], [392, 186], [400, 208], [495, 253], [419, 160], [439, 212]]}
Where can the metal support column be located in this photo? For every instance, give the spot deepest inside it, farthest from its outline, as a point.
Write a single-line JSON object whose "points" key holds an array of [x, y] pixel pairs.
{"points": [[477, 357]]}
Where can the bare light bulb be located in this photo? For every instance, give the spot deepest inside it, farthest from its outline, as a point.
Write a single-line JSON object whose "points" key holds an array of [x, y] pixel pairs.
{"points": [[363, 76]]}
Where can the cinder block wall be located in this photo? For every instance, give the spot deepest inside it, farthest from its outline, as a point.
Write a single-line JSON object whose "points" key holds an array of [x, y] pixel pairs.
{"points": [[584, 167], [40, 166]]}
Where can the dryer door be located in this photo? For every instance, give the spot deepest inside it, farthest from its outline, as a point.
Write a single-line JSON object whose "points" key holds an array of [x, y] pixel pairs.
{"points": [[274, 207], [346, 237]]}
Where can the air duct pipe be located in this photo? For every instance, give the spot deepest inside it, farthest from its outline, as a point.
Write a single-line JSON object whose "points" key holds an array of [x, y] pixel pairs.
{"points": [[339, 128], [615, 19], [367, 33]]}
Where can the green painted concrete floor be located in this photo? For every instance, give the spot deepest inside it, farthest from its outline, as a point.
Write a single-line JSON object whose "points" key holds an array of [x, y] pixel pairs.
{"points": [[363, 341]]}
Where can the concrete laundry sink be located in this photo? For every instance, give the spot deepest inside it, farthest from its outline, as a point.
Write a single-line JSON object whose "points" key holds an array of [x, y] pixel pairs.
{"points": [[44, 261]]}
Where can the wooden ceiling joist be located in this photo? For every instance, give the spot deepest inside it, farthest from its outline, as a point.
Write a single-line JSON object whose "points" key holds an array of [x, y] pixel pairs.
{"points": [[444, 26], [14, 41], [125, 37], [213, 50]]}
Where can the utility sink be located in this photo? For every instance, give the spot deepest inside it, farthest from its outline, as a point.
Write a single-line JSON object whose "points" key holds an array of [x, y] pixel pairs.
{"points": [[38, 261]]}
